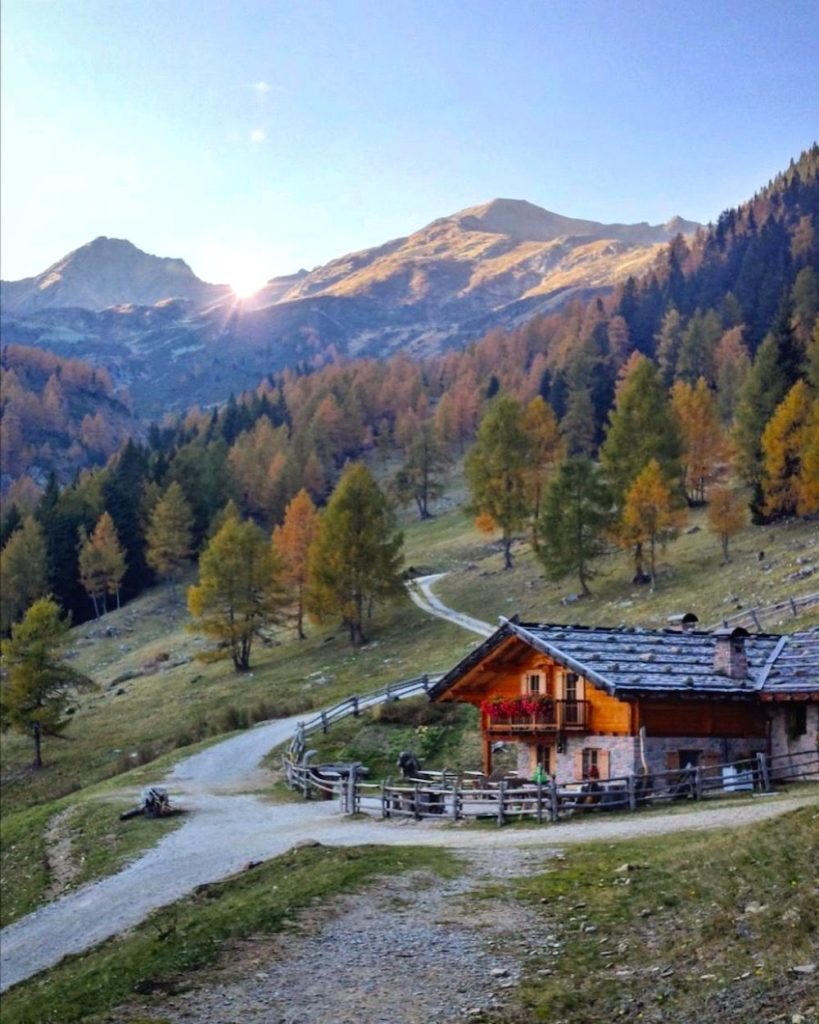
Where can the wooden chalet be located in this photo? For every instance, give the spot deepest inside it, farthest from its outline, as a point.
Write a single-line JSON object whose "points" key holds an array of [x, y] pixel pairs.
{"points": [[586, 702]]}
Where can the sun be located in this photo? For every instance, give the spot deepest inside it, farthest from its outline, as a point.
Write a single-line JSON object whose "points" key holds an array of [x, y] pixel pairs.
{"points": [[245, 285]]}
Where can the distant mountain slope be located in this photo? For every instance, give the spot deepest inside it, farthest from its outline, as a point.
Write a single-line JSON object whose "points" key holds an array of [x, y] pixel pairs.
{"points": [[107, 272], [440, 287]]}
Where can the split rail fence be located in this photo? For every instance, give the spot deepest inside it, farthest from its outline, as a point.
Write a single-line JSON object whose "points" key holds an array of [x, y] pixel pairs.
{"points": [[456, 796]]}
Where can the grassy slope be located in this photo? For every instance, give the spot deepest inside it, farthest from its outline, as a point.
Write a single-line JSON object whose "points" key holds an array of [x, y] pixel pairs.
{"points": [[691, 576], [195, 931], [703, 929]]}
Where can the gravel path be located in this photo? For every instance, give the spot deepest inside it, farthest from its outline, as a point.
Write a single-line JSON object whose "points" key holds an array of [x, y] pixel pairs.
{"points": [[421, 594]]}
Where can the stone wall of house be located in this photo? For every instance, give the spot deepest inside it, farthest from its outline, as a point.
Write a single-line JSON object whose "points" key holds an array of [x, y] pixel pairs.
{"points": [[782, 722], [623, 751], [663, 752]]}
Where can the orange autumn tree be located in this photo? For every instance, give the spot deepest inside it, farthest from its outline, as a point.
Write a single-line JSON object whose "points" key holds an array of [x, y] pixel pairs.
{"points": [[783, 448], [808, 483], [727, 515], [649, 515], [704, 444], [292, 542], [547, 450]]}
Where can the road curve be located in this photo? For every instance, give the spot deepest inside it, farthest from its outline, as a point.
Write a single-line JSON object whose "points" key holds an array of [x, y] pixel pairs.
{"points": [[421, 594]]}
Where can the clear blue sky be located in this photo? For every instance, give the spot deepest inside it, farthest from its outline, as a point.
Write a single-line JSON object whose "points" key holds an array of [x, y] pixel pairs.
{"points": [[253, 138]]}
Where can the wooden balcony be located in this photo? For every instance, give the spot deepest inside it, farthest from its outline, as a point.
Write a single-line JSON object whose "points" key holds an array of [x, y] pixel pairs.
{"points": [[561, 716]]}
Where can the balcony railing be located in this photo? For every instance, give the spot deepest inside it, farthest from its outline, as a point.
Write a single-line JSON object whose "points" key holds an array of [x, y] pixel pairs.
{"points": [[557, 716]]}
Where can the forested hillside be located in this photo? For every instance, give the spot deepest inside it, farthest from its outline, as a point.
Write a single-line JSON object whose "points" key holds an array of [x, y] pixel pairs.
{"points": [[707, 367], [61, 414]]}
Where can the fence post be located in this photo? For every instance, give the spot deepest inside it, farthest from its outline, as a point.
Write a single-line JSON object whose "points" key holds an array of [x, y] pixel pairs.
{"points": [[793, 606], [755, 617], [554, 803], [540, 801], [417, 801], [324, 721], [355, 707], [351, 791], [764, 775], [632, 793], [501, 800], [697, 782], [455, 799]]}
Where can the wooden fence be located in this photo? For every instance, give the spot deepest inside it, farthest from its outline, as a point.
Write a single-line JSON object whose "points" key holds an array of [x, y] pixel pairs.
{"points": [[442, 796], [756, 617]]}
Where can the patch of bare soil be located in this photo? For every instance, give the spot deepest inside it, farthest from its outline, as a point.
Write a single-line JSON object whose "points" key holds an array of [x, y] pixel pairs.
{"points": [[411, 949], [62, 868]]}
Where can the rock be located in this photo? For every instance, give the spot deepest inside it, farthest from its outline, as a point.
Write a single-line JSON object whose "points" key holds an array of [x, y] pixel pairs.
{"points": [[755, 908], [803, 969], [691, 530], [306, 844], [570, 599], [646, 912], [499, 972]]}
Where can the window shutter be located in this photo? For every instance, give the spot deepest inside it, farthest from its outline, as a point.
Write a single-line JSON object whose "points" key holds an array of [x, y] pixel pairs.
{"points": [[578, 765], [603, 764]]}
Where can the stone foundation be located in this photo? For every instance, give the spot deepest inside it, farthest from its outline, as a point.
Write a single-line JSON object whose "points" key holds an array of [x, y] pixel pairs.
{"points": [[782, 721]]}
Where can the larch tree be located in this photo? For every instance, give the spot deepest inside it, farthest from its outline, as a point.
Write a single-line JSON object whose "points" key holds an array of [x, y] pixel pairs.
{"points": [[496, 469], [357, 556], [35, 696], [704, 441], [292, 541], [169, 536], [240, 589], [23, 571], [547, 449], [649, 514], [782, 445], [808, 483], [727, 515], [101, 563], [576, 514], [422, 477]]}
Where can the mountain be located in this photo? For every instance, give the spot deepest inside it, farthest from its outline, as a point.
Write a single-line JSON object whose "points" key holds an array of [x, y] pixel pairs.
{"points": [[107, 272], [173, 340]]}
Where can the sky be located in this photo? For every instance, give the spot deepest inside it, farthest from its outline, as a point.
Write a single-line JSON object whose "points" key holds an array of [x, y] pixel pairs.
{"points": [[255, 138]]}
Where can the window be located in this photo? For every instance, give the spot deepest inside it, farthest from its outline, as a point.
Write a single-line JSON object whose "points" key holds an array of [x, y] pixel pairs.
{"points": [[689, 758], [533, 682], [570, 686], [591, 763], [797, 721]]}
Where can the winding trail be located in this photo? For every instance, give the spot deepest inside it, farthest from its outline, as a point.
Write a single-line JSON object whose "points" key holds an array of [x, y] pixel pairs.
{"points": [[421, 594], [230, 824]]}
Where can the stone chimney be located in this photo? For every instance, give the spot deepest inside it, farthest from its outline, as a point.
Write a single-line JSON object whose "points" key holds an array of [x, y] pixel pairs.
{"points": [[729, 653]]}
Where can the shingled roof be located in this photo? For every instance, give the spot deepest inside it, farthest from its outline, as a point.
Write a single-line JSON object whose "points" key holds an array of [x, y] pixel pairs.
{"points": [[630, 662]]}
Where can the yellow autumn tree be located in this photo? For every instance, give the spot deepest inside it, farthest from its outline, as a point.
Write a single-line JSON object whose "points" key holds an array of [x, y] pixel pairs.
{"points": [[292, 542], [783, 444], [649, 515], [101, 563], [727, 515], [704, 441]]}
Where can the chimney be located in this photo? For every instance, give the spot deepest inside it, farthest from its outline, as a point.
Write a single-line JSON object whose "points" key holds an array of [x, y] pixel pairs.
{"points": [[689, 622], [729, 653]]}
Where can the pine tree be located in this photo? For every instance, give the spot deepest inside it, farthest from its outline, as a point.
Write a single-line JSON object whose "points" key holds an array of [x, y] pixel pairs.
{"points": [[575, 516], [169, 536], [649, 514], [22, 571], [496, 469], [292, 541], [240, 588], [357, 556], [727, 515], [642, 427], [35, 697]]}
